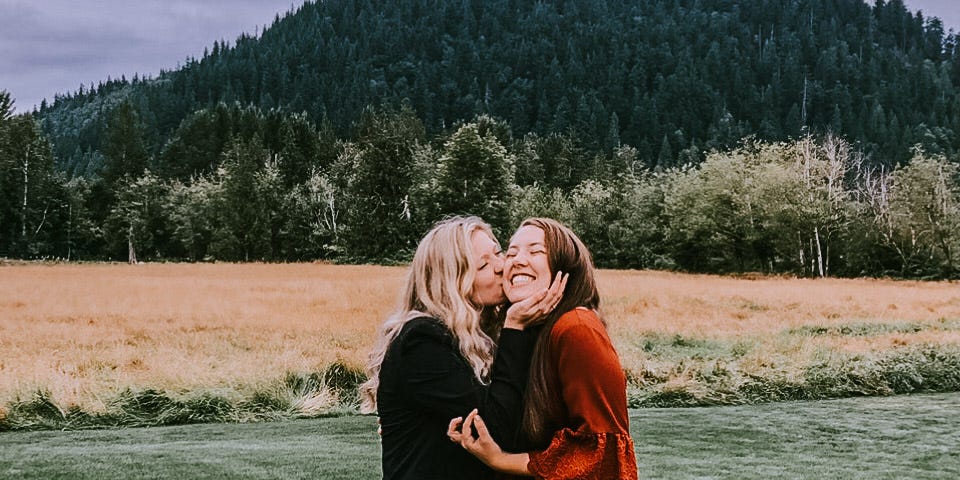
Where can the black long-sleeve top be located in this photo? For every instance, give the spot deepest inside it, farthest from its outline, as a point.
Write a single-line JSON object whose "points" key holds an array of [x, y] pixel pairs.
{"points": [[425, 382]]}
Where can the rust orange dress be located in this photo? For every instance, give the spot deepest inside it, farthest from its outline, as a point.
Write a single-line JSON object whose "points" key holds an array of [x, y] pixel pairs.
{"points": [[594, 442]]}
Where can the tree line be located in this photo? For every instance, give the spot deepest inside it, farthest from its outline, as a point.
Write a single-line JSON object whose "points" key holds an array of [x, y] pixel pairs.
{"points": [[671, 78], [273, 186]]}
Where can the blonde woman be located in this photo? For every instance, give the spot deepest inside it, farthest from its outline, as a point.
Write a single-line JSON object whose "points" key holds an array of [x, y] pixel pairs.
{"points": [[444, 352]]}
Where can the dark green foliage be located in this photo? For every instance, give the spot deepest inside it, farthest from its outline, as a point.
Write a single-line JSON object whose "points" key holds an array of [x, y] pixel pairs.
{"points": [[375, 175], [302, 384], [124, 146], [340, 134], [201, 408], [33, 207], [264, 404], [660, 75], [475, 172], [708, 371], [245, 210]]}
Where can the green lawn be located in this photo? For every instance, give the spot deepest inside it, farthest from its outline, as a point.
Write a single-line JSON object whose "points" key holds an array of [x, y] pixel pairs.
{"points": [[915, 437]]}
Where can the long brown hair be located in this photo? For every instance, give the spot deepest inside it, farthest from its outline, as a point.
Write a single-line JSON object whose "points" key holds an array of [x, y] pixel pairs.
{"points": [[543, 405]]}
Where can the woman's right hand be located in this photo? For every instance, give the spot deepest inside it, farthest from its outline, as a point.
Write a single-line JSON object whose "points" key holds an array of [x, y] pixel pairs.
{"points": [[535, 308]]}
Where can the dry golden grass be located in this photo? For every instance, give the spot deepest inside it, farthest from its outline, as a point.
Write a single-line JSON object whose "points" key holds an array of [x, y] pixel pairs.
{"points": [[705, 305], [759, 312], [86, 332]]}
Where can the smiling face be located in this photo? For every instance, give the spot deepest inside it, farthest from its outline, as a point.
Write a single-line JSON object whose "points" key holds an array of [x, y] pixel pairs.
{"points": [[488, 278], [526, 269]]}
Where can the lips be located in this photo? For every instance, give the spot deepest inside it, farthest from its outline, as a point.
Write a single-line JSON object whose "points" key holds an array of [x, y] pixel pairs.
{"points": [[521, 279]]}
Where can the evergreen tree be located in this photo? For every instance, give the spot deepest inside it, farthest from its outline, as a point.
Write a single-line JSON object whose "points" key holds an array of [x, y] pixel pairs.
{"points": [[136, 222], [32, 194], [242, 231], [376, 172], [475, 174], [124, 149], [8, 211]]}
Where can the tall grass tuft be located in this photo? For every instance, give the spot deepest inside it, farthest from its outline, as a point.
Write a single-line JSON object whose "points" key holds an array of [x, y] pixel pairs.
{"points": [[919, 369], [332, 391], [38, 412]]}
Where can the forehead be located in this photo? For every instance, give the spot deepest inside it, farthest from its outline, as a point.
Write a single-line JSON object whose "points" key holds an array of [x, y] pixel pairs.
{"points": [[482, 240], [527, 235]]}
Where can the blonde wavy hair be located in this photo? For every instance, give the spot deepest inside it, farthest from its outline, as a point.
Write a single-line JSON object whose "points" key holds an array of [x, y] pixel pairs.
{"points": [[440, 285]]}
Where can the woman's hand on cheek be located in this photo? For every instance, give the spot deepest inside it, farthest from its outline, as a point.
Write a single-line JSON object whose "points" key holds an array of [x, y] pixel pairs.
{"points": [[535, 308]]}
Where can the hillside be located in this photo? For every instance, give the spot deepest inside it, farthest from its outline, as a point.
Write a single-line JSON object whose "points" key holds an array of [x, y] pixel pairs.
{"points": [[806, 137], [672, 78]]}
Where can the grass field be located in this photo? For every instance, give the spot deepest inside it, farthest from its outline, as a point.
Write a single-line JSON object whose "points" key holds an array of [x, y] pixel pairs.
{"points": [[907, 436], [116, 344]]}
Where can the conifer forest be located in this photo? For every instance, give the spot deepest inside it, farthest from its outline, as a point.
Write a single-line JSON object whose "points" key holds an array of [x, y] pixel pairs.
{"points": [[800, 137]]}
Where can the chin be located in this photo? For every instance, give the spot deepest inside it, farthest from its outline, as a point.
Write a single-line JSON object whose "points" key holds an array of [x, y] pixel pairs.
{"points": [[519, 294]]}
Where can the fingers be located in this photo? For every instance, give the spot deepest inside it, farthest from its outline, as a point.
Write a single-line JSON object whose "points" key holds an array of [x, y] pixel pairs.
{"points": [[482, 432], [558, 285], [533, 300], [537, 306], [453, 429], [546, 300], [555, 291], [466, 431], [468, 423]]}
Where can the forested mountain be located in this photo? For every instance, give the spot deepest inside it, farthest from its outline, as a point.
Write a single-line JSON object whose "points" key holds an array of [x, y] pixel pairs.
{"points": [[808, 137], [672, 78]]}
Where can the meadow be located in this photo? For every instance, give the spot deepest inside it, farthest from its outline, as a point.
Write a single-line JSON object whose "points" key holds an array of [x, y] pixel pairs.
{"points": [[89, 345], [904, 436]]}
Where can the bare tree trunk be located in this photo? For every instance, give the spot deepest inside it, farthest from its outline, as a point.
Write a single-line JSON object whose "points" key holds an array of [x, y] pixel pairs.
{"points": [[816, 237], [803, 266], [26, 183], [826, 262], [69, 229], [131, 252]]}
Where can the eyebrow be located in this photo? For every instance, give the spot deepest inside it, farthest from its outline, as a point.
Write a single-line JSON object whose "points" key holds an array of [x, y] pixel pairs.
{"points": [[534, 244]]}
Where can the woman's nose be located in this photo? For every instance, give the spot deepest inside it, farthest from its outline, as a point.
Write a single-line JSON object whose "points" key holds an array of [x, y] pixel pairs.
{"points": [[498, 265], [519, 258]]}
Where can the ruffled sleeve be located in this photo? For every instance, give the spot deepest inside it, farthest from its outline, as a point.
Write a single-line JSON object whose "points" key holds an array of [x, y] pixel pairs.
{"points": [[577, 455], [595, 442]]}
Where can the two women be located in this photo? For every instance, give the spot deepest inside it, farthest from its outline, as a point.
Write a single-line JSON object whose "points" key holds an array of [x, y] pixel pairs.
{"points": [[575, 422], [555, 392], [436, 357]]}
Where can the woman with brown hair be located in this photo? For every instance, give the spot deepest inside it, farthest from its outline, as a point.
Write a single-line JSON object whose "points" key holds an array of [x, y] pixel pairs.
{"points": [[575, 422], [449, 348]]}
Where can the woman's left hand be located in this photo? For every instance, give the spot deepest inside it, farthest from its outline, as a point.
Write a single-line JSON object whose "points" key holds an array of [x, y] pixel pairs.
{"points": [[482, 446]]}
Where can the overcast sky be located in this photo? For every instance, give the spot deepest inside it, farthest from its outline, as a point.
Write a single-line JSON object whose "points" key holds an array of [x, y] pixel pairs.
{"points": [[53, 46]]}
